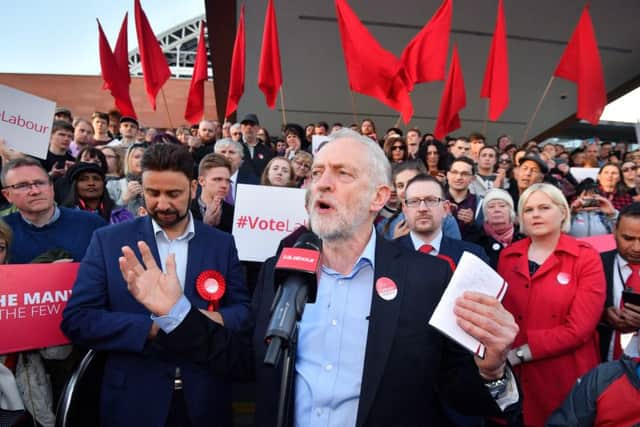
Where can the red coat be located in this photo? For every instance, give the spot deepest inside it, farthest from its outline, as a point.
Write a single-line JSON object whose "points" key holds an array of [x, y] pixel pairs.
{"points": [[557, 311]]}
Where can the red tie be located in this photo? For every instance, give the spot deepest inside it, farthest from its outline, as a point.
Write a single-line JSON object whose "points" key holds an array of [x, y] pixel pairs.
{"points": [[426, 249], [633, 282]]}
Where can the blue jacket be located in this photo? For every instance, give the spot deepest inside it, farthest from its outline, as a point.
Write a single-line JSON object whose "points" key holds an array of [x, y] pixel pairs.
{"points": [[138, 377]]}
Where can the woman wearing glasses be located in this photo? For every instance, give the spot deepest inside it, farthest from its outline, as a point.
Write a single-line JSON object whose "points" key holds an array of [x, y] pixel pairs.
{"points": [[396, 149]]}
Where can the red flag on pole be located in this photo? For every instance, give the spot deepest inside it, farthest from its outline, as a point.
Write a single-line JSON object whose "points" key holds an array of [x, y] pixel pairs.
{"points": [[425, 57], [270, 73], [113, 76], [496, 75], [453, 99], [154, 65], [371, 69], [236, 82], [581, 64], [195, 102], [121, 51]]}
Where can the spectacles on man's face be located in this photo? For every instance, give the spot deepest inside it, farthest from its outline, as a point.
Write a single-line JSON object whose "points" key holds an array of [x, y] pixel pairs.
{"points": [[629, 168], [429, 202], [23, 187], [397, 147]]}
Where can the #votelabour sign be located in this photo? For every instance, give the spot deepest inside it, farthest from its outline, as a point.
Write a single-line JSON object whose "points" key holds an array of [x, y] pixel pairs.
{"points": [[32, 298], [263, 216], [25, 121]]}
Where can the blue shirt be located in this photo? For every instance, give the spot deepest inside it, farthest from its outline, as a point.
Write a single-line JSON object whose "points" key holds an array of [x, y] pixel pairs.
{"points": [[331, 345], [178, 246]]}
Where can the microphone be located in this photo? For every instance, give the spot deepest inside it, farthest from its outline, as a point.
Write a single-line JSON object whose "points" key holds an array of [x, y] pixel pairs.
{"points": [[295, 271]]}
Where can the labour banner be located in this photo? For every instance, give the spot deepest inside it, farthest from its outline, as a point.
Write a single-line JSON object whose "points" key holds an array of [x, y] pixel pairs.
{"points": [[25, 121], [32, 298], [263, 216]]}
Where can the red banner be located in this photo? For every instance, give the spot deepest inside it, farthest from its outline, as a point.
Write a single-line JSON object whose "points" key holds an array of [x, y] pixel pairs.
{"points": [[32, 298]]}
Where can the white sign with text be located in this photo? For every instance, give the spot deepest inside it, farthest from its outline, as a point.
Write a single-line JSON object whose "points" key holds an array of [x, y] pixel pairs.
{"points": [[580, 174], [263, 216], [25, 121]]}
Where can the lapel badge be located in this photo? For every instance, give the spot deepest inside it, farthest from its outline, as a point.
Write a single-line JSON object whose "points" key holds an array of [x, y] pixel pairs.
{"points": [[386, 288]]}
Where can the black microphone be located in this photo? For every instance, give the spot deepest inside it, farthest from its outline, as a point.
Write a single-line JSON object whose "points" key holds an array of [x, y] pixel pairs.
{"points": [[295, 271]]}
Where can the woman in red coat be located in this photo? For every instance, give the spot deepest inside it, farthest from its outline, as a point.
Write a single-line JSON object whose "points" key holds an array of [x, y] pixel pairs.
{"points": [[556, 294]]}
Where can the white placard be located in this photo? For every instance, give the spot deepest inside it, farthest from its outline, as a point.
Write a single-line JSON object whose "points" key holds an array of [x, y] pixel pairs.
{"points": [[263, 216], [580, 174], [472, 274], [316, 141], [25, 121]]}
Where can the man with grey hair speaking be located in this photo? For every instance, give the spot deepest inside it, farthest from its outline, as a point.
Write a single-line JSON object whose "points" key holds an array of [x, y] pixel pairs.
{"points": [[366, 355]]}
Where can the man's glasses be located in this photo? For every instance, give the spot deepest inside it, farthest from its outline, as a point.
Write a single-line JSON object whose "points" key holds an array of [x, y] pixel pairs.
{"points": [[26, 186], [629, 168], [430, 202]]}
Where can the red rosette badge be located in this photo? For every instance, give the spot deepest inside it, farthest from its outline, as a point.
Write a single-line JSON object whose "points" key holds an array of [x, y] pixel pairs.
{"points": [[211, 285]]}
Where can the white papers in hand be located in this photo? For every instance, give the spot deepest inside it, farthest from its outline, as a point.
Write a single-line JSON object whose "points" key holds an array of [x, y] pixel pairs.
{"points": [[472, 274]]}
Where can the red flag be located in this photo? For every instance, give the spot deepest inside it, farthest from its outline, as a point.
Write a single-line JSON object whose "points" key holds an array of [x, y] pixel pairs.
{"points": [[270, 73], [154, 65], [453, 99], [425, 57], [496, 75], [371, 69], [236, 83], [113, 76], [121, 51], [581, 64], [195, 102]]}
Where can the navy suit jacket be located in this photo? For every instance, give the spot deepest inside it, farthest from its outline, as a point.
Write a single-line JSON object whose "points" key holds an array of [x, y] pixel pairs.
{"points": [[604, 329], [138, 377], [450, 247], [408, 365]]}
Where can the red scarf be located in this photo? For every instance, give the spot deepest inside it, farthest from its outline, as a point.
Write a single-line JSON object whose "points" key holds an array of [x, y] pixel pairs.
{"points": [[502, 233]]}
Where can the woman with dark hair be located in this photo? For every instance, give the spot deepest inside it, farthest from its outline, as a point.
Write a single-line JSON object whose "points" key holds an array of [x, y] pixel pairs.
{"points": [[165, 138], [435, 157], [88, 193], [609, 182], [62, 185], [395, 148]]}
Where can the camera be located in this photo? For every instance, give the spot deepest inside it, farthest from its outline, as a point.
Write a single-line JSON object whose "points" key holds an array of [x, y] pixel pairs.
{"points": [[591, 202]]}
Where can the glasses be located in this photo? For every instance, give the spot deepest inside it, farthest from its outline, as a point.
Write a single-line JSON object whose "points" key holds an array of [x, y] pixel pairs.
{"points": [[504, 161], [302, 165], [462, 174], [26, 186], [629, 168], [429, 202], [397, 147], [235, 133]]}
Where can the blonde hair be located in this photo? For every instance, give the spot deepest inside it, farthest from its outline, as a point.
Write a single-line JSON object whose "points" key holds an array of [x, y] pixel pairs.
{"points": [[556, 197]]}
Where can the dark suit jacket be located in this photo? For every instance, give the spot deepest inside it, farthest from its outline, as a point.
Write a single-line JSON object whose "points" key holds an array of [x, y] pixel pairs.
{"points": [[138, 377], [261, 156], [226, 220], [604, 329], [408, 365], [450, 247]]}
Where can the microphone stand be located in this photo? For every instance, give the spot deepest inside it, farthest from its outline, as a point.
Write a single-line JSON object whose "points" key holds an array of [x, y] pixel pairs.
{"points": [[286, 388]]}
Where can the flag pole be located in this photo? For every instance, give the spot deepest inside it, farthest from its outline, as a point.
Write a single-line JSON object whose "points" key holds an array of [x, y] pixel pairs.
{"points": [[284, 116], [353, 107], [397, 123], [166, 107], [486, 118], [535, 113]]}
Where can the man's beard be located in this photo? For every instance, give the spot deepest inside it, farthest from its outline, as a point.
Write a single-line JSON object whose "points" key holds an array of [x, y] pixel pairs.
{"points": [[345, 222], [168, 224]]}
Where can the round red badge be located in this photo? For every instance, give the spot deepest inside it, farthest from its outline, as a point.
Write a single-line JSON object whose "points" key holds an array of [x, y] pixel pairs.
{"points": [[386, 288], [211, 285]]}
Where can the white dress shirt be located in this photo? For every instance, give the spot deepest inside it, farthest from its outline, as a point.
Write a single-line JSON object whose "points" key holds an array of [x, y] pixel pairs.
{"points": [[436, 242], [178, 246]]}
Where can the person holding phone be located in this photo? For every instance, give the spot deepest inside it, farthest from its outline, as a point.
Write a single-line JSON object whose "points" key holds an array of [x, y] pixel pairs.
{"points": [[591, 214], [621, 318]]}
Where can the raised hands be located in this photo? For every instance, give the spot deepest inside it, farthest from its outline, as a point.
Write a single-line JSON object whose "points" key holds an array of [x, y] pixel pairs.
{"points": [[156, 290]]}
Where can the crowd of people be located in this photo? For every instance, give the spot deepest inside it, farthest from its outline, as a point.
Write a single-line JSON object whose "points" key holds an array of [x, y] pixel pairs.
{"points": [[107, 183]]}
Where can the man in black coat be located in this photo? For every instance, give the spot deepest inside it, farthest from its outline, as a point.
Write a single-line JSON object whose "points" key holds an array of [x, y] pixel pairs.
{"points": [[257, 153], [209, 206], [366, 355]]}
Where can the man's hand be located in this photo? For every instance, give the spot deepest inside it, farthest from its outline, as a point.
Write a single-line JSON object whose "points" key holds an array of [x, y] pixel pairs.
{"points": [[484, 318], [214, 212], [401, 229], [156, 290], [465, 215], [626, 320], [631, 316]]}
